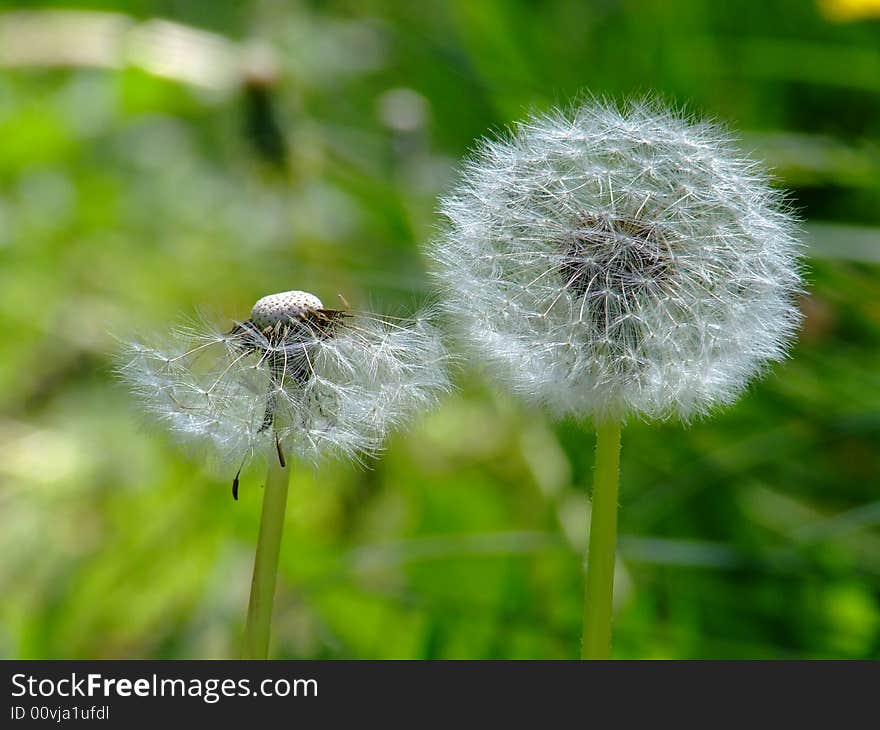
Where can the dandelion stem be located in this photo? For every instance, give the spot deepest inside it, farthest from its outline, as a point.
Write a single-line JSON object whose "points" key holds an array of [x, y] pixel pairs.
{"points": [[603, 541], [259, 616]]}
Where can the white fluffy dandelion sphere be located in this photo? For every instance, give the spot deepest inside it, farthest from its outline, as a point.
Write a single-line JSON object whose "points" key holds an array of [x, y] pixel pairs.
{"points": [[605, 261]]}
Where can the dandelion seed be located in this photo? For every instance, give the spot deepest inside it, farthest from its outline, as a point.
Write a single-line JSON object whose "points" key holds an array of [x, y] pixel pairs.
{"points": [[605, 262]]}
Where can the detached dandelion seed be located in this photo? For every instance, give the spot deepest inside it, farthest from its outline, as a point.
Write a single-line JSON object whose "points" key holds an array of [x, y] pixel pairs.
{"points": [[605, 262], [296, 379]]}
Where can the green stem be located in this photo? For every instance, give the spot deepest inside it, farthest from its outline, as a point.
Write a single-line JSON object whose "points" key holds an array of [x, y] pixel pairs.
{"points": [[603, 543], [259, 616]]}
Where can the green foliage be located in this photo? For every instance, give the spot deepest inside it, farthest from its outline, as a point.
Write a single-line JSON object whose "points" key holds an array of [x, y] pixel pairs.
{"points": [[128, 201]]}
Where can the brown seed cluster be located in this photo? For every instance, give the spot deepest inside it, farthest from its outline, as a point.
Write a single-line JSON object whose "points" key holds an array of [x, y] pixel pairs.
{"points": [[610, 255]]}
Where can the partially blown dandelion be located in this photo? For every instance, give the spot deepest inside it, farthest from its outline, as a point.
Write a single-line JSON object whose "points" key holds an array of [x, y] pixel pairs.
{"points": [[605, 262], [294, 378], [319, 381]]}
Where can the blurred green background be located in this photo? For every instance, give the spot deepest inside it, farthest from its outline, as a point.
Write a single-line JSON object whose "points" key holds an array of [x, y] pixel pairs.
{"points": [[157, 158]]}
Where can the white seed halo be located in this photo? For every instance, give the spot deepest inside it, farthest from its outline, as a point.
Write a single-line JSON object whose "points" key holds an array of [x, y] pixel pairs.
{"points": [[606, 261], [334, 385]]}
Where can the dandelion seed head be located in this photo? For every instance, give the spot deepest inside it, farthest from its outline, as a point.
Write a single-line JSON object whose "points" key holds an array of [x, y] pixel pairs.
{"points": [[323, 382], [604, 261]]}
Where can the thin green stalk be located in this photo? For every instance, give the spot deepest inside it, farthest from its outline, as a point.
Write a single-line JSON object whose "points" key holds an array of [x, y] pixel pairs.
{"points": [[603, 543], [259, 616]]}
